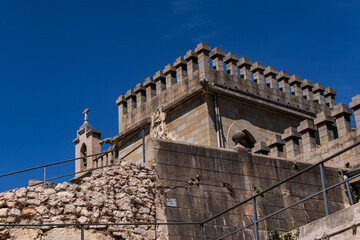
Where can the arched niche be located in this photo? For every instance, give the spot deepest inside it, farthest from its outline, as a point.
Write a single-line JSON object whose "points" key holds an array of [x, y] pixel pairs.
{"points": [[83, 153], [253, 133]]}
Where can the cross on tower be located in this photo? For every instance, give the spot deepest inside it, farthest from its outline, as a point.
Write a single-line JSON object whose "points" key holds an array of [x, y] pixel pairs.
{"points": [[85, 112]]}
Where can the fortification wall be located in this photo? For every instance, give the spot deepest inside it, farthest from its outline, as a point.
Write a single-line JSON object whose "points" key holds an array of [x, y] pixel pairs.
{"points": [[315, 139], [211, 70], [228, 177], [111, 195]]}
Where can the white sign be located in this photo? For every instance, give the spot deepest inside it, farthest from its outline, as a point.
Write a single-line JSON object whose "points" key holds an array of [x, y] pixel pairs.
{"points": [[171, 202]]}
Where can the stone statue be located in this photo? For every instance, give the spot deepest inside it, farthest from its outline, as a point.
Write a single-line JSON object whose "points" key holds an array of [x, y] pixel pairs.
{"points": [[158, 126]]}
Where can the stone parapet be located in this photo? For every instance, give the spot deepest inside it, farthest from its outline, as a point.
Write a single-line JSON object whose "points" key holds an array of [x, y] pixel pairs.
{"points": [[276, 146], [307, 131], [193, 71], [295, 83], [291, 137], [258, 73], [270, 74], [261, 148], [355, 106], [283, 79], [244, 65], [342, 113], [231, 63], [330, 94]]}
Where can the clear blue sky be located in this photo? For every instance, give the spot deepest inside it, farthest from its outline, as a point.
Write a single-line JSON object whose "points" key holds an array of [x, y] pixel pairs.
{"points": [[59, 57]]}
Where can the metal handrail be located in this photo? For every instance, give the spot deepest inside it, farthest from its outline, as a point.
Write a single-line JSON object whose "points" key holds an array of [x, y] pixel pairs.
{"points": [[255, 221], [324, 190], [283, 181], [291, 205]]}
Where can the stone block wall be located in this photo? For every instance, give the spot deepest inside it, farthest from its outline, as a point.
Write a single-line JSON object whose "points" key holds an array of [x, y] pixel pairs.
{"points": [[228, 177]]}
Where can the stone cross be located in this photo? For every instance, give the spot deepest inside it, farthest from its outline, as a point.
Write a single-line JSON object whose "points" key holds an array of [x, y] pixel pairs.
{"points": [[85, 112]]}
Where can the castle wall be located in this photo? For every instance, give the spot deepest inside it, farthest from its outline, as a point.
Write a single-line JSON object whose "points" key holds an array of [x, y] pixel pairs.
{"points": [[348, 160], [259, 120], [190, 122], [226, 178]]}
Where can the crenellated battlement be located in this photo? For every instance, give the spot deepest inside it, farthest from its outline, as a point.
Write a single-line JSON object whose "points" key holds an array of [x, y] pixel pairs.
{"points": [[220, 70], [315, 138]]}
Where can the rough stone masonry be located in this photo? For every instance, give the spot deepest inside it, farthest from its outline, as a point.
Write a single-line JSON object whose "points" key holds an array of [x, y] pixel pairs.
{"points": [[122, 193]]}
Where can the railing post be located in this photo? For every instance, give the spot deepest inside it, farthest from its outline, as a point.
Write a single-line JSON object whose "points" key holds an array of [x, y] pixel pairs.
{"points": [[348, 191], [82, 232], [326, 201], [202, 231], [44, 177], [254, 220], [143, 143]]}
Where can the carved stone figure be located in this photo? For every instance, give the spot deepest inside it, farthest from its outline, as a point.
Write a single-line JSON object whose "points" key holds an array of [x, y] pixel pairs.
{"points": [[158, 127]]}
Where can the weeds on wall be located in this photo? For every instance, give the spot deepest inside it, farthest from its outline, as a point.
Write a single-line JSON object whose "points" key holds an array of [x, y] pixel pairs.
{"points": [[193, 182], [275, 235], [324, 237]]}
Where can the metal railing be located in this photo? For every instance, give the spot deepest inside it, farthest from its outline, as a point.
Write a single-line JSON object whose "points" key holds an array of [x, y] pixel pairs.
{"points": [[98, 155], [324, 191], [255, 220]]}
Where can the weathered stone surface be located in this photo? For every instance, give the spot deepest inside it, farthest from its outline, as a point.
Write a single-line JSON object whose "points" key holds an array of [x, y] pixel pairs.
{"points": [[73, 234], [24, 234], [117, 194]]}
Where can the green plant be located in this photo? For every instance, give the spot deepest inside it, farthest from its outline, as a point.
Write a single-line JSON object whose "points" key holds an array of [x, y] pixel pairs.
{"points": [[324, 237], [354, 194], [257, 189], [275, 235], [193, 181], [354, 228]]}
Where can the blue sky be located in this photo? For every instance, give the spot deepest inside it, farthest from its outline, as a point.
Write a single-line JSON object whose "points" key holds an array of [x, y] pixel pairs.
{"points": [[59, 57]]}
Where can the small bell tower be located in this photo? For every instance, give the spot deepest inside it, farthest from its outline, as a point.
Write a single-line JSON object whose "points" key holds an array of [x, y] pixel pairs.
{"points": [[87, 143]]}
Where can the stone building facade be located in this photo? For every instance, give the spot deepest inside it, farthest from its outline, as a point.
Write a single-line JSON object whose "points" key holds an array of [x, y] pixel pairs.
{"points": [[207, 95], [186, 120], [200, 102]]}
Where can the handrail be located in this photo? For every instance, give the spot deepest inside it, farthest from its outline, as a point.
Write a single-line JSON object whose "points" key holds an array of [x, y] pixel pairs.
{"points": [[69, 160], [283, 181], [291, 205]]}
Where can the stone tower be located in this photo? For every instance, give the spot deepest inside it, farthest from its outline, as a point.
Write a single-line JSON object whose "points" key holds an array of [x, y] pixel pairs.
{"points": [[87, 143]]}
